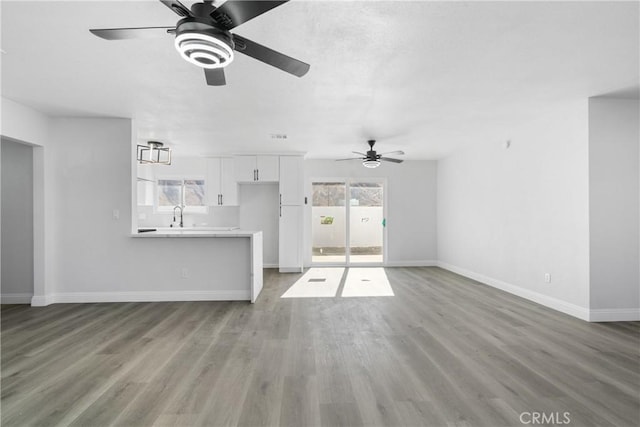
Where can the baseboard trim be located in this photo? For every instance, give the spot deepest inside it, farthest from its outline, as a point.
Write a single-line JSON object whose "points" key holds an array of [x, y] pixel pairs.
{"points": [[159, 296], [270, 266], [419, 263], [17, 298], [545, 300], [290, 270], [41, 300], [614, 315]]}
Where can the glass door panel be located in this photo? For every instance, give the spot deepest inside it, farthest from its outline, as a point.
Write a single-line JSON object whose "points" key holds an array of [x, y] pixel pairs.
{"points": [[366, 222], [329, 223]]}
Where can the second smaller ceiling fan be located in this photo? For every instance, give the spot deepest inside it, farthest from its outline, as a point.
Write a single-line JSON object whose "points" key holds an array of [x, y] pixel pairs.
{"points": [[372, 159]]}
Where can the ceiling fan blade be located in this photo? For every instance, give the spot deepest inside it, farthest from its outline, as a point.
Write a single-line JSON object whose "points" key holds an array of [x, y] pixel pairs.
{"points": [[359, 153], [215, 76], [270, 56], [132, 33], [350, 158], [177, 7], [399, 152], [389, 159], [235, 12]]}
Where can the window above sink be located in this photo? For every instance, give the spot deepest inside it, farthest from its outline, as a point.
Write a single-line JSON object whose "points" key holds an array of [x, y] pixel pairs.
{"points": [[187, 191]]}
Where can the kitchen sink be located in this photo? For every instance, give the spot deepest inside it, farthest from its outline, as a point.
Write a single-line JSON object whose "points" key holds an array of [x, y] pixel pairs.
{"points": [[197, 228]]}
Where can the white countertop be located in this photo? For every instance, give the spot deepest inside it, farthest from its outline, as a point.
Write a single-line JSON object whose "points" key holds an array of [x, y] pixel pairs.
{"points": [[198, 232]]}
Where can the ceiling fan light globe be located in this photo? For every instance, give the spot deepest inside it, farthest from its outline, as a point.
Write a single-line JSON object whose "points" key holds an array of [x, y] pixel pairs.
{"points": [[371, 164], [205, 60], [204, 50]]}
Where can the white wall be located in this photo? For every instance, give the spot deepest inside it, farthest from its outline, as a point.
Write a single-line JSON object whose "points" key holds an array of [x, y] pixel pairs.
{"points": [[508, 216], [23, 123], [614, 198], [17, 223], [93, 254], [259, 211], [411, 206]]}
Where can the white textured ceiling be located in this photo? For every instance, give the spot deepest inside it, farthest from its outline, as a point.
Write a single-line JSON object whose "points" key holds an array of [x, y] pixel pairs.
{"points": [[425, 77]]}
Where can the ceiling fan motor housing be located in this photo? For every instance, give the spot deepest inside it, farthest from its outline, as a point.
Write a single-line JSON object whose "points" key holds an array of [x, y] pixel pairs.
{"points": [[201, 44], [371, 154]]}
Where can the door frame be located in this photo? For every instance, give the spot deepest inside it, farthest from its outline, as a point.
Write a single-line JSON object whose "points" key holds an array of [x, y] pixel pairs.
{"points": [[347, 181]]}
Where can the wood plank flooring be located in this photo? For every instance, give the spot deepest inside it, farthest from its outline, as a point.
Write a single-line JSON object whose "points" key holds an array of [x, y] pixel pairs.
{"points": [[445, 350]]}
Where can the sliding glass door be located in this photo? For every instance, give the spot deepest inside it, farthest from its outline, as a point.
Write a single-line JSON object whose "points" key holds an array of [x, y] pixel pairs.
{"points": [[329, 223], [348, 222], [366, 222]]}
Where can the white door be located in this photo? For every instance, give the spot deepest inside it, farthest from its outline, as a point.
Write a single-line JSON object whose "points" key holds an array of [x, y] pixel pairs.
{"points": [[290, 244], [268, 168], [213, 184], [229, 188], [245, 168], [291, 180]]}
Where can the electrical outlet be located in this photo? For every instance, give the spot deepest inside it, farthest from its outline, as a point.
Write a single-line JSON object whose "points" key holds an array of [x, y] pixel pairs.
{"points": [[116, 214], [547, 278], [184, 273]]}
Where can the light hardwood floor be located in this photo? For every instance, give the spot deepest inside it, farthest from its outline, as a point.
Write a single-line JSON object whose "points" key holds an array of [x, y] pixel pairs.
{"points": [[444, 350]]}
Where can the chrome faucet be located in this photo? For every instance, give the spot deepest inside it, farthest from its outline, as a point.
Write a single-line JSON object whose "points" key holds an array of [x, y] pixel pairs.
{"points": [[174, 216]]}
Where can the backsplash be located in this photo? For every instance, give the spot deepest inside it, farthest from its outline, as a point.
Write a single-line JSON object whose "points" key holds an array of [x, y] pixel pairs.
{"points": [[219, 216]]}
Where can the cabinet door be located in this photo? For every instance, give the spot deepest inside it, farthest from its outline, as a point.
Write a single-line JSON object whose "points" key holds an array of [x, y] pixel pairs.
{"points": [[212, 183], [229, 185], [290, 239], [245, 168], [145, 192], [291, 180], [268, 168]]}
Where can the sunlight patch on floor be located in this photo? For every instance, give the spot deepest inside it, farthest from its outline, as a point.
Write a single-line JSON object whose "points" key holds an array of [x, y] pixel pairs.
{"points": [[341, 258], [367, 282], [316, 283]]}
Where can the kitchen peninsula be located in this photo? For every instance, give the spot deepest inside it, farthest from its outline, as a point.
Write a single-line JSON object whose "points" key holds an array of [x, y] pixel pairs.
{"points": [[208, 264]]}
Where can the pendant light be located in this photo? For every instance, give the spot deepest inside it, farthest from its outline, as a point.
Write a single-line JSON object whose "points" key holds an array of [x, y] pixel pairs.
{"points": [[154, 152]]}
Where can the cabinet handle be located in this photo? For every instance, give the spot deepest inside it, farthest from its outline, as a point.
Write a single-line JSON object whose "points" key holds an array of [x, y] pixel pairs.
{"points": [[257, 174], [221, 200], [255, 178], [280, 199], [218, 199]]}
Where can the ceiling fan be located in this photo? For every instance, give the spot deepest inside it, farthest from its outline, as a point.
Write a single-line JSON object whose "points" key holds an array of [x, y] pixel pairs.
{"points": [[202, 36], [372, 159]]}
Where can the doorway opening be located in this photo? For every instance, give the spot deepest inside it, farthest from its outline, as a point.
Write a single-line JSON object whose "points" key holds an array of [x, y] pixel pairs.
{"points": [[348, 222]]}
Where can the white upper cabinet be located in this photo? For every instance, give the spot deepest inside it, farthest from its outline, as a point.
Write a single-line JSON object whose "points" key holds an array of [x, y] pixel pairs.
{"points": [[257, 168], [145, 192], [222, 188], [291, 180], [268, 168], [245, 168], [213, 183], [229, 193]]}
